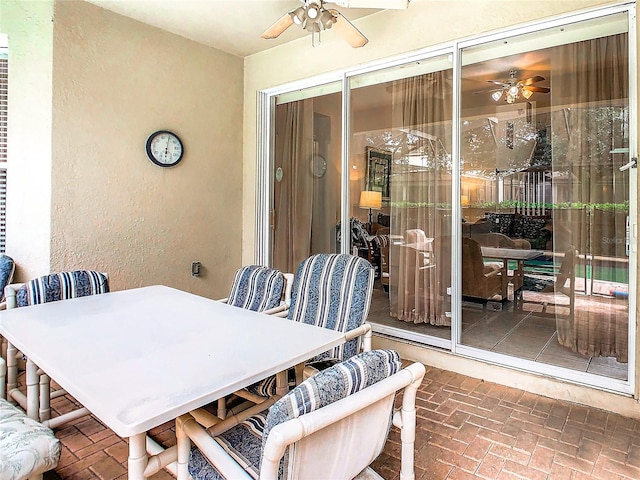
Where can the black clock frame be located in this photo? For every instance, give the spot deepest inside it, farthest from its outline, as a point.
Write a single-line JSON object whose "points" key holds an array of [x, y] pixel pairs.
{"points": [[150, 153]]}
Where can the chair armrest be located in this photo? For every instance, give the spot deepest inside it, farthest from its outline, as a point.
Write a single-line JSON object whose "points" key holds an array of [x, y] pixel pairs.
{"points": [[365, 331], [493, 273], [278, 309], [223, 300], [10, 294], [221, 460]]}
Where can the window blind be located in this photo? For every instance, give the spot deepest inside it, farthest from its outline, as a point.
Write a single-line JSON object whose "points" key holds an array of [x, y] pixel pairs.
{"points": [[4, 93]]}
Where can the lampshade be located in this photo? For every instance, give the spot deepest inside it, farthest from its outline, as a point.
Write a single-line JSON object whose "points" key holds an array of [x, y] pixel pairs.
{"points": [[370, 199]]}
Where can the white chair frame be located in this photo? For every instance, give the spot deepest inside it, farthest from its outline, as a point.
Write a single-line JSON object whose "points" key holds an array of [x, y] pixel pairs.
{"points": [[37, 406], [188, 428]]}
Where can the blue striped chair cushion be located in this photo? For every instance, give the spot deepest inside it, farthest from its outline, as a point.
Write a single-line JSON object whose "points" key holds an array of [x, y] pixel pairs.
{"points": [[61, 286], [256, 288], [245, 441], [333, 291], [7, 267]]}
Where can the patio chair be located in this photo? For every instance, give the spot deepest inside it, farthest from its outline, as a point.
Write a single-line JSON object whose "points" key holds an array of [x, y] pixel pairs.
{"points": [[7, 269], [48, 288], [261, 289], [333, 425], [331, 291]]}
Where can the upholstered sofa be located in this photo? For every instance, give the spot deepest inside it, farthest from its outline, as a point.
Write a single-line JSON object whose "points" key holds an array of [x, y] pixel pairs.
{"points": [[369, 241], [516, 226]]}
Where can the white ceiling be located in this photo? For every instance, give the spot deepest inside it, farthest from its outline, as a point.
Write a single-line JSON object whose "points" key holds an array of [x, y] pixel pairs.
{"points": [[233, 26]]}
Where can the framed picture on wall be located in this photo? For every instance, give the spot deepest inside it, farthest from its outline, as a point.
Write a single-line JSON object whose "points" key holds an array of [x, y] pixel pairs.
{"points": [[378, 171]]}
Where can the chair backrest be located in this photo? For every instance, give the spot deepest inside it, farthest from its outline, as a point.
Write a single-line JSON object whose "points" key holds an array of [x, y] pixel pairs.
{"points": [[333, 290], [61, 286], [256, 288], [337, 421], [7, 269]]}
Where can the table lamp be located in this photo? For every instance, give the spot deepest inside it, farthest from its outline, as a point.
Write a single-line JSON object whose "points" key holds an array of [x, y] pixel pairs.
{"points": [[370, 200]]}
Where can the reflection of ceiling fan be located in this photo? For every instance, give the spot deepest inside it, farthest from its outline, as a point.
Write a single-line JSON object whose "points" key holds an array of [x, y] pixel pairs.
{"points": [[512, 88], [314, 17]]}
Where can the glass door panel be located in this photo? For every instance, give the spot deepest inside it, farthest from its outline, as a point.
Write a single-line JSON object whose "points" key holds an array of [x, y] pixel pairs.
{"points": [[400, 194], [306, 174], [544, 202]]}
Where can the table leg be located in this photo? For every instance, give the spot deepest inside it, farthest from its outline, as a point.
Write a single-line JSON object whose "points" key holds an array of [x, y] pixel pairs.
{"points": [[184, 447], [33, 390], [12, 370], [138, 459], [505, 280], [282, 383]]}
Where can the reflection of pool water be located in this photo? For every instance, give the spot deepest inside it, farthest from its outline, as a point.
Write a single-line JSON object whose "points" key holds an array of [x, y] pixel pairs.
{"points": [[614, 270]]}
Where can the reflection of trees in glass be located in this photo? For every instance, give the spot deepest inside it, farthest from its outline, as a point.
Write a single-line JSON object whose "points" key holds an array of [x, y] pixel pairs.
{"points": [[486, 145], [602, 128], [416, 151]]}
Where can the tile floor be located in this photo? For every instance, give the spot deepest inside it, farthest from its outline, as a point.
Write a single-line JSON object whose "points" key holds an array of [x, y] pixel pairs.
{"points": [[466, 428], [522, 334]]}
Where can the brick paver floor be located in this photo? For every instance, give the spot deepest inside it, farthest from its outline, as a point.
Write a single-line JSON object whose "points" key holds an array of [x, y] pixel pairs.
{"points": [[466, 428]]}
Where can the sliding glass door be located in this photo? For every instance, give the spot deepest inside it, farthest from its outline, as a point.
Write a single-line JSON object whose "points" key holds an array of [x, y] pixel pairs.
{"points": [[545, 196], [400, 149], [306, 175], [491, 185]]}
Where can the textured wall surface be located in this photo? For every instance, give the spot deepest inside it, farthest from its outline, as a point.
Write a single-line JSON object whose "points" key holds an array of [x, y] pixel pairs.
{"points": [[29, 133], [115, 81]]}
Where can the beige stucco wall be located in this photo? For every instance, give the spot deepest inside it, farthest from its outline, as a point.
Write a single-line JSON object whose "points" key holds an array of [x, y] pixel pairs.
{"points": [[426, 23], [29, 128], [115, 81]]}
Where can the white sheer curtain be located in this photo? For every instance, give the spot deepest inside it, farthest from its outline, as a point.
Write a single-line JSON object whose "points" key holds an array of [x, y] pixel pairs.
{"points": [[293, 193], [420, 200], [590, 87]]}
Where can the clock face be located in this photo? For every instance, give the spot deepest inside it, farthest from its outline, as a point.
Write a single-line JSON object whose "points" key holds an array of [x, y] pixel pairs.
{"points": [[164, 148], [318, 165]]}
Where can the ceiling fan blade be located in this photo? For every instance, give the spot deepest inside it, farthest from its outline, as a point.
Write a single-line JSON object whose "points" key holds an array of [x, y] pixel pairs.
{"points": [[488, 91], [348, 31], [381, 4], [533, 88], [277, 28], [497, 82], [530, 80]]}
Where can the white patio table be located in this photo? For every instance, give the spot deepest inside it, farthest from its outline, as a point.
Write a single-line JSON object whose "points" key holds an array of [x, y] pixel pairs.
{"points": [[138, 358]]}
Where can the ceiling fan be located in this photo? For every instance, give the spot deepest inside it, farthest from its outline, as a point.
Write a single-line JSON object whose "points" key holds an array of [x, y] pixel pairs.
{"points": [[315, 17], [512, 88]]}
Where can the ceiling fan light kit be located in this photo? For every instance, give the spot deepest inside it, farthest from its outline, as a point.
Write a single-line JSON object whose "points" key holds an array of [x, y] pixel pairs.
{"points": [[314, 17], [514, 88]]}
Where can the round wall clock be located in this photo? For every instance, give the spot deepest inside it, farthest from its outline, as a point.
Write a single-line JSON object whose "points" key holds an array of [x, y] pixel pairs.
{"points": [[164, 148], [318, 165]]}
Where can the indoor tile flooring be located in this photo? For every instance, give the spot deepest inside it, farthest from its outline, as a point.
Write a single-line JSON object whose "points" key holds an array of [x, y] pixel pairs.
{"points": [[523, 334], [466, 428]]}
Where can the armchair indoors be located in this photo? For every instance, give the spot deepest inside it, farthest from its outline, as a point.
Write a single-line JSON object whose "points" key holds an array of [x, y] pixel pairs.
{"points": [[49, 288], [331, 426], [382, 240], [479, 281]]}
